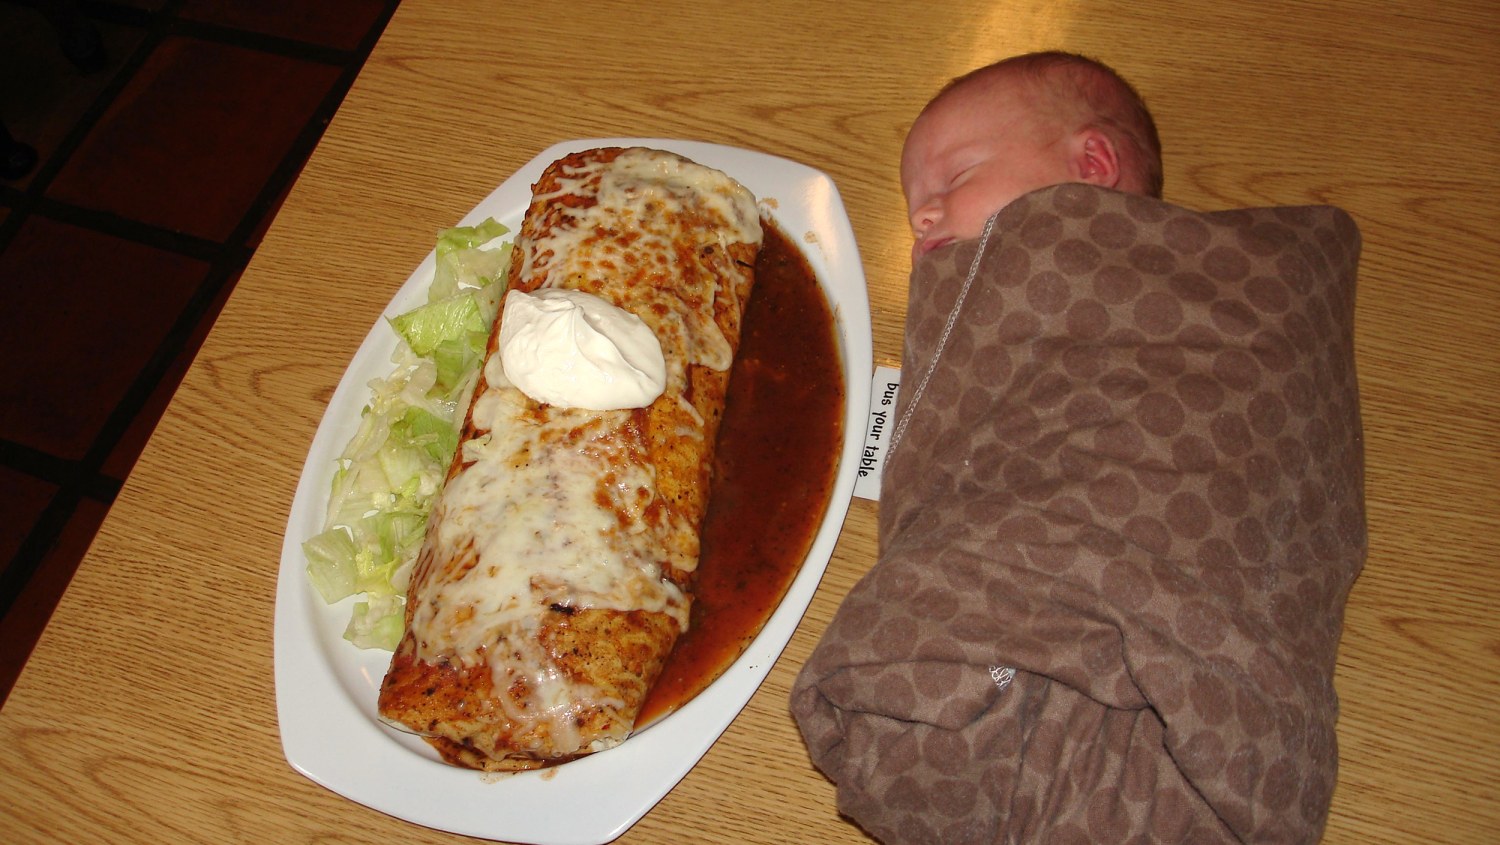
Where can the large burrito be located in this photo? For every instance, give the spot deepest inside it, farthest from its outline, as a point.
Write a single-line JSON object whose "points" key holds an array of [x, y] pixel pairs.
{"points": [[557, 568]]}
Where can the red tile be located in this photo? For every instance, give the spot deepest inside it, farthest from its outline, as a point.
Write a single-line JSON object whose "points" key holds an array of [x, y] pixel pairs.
{"points": [[22, 500], [120, 460], [20, 628], [55, 94], [190, 143], [84, 312], [340, 24]]}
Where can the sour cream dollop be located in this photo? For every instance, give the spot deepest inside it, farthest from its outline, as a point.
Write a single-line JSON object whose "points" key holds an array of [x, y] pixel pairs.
{"points": [[572, 349]]}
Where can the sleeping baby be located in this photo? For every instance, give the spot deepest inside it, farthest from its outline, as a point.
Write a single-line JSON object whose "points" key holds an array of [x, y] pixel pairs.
{"points": [[1123, 504]]}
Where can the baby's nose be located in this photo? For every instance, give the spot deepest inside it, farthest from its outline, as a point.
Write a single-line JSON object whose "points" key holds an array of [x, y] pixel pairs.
{"points": [[925, 217]]}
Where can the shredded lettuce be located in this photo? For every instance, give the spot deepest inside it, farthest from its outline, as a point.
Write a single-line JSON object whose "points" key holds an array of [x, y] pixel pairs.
{"points": [[377, 623], [440, 321], [394, 464], [467, 257], [451, 332]]}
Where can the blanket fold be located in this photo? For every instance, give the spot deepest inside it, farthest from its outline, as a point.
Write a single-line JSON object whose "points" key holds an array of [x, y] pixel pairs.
{"points": [[1117, 535]]}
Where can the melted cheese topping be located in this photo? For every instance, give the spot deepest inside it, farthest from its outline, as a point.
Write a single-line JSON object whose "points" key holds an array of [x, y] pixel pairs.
{"points": [[558, 507], [648, 191], [545, 530]]}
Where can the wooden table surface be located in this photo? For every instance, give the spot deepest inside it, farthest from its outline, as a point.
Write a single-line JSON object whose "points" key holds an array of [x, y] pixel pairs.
{"points": [[147, 712]]}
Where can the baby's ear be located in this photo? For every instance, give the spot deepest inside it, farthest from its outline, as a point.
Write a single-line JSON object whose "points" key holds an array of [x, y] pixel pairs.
{"points": [[1095, 158]]}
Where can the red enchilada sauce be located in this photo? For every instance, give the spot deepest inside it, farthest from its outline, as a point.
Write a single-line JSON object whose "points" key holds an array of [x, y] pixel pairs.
{"points": [[774, 470]]}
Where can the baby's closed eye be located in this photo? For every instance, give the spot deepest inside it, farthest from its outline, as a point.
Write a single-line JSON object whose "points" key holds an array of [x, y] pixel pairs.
{"points": [[962, 176]]}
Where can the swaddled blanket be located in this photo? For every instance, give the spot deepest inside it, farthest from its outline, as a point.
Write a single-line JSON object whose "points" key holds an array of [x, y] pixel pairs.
{"points": [[1117, 534]]}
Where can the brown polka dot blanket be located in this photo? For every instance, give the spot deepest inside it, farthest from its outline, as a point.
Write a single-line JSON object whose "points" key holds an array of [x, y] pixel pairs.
{"points": [[1117, 533]]}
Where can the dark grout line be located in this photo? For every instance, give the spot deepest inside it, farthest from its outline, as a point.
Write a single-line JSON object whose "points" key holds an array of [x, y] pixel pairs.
{"points": [[23, 202], [60, 472], [222, 34], [39, 541], [125, 15], [109, 223], [286, 47]]}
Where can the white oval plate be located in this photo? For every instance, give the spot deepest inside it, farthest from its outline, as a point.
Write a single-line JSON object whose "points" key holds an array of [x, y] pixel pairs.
{"points": [[326, 688]]}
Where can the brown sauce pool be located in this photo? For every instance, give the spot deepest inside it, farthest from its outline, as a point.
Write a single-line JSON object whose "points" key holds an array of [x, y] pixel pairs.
{"points": [[774, 470]]}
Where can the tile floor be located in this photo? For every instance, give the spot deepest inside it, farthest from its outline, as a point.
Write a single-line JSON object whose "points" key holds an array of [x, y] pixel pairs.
{"points": [[160, 158]]}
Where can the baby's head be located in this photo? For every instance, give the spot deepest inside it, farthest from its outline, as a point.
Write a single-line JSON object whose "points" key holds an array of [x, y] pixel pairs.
{"points": [[1018, 125]]}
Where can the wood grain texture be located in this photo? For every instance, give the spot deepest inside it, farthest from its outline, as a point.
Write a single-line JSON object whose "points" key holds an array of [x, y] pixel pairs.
{"points": [[147, 711]]}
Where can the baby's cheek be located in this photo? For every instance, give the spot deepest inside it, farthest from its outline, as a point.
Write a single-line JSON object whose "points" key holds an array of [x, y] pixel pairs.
{"points": [[966, 218]]}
